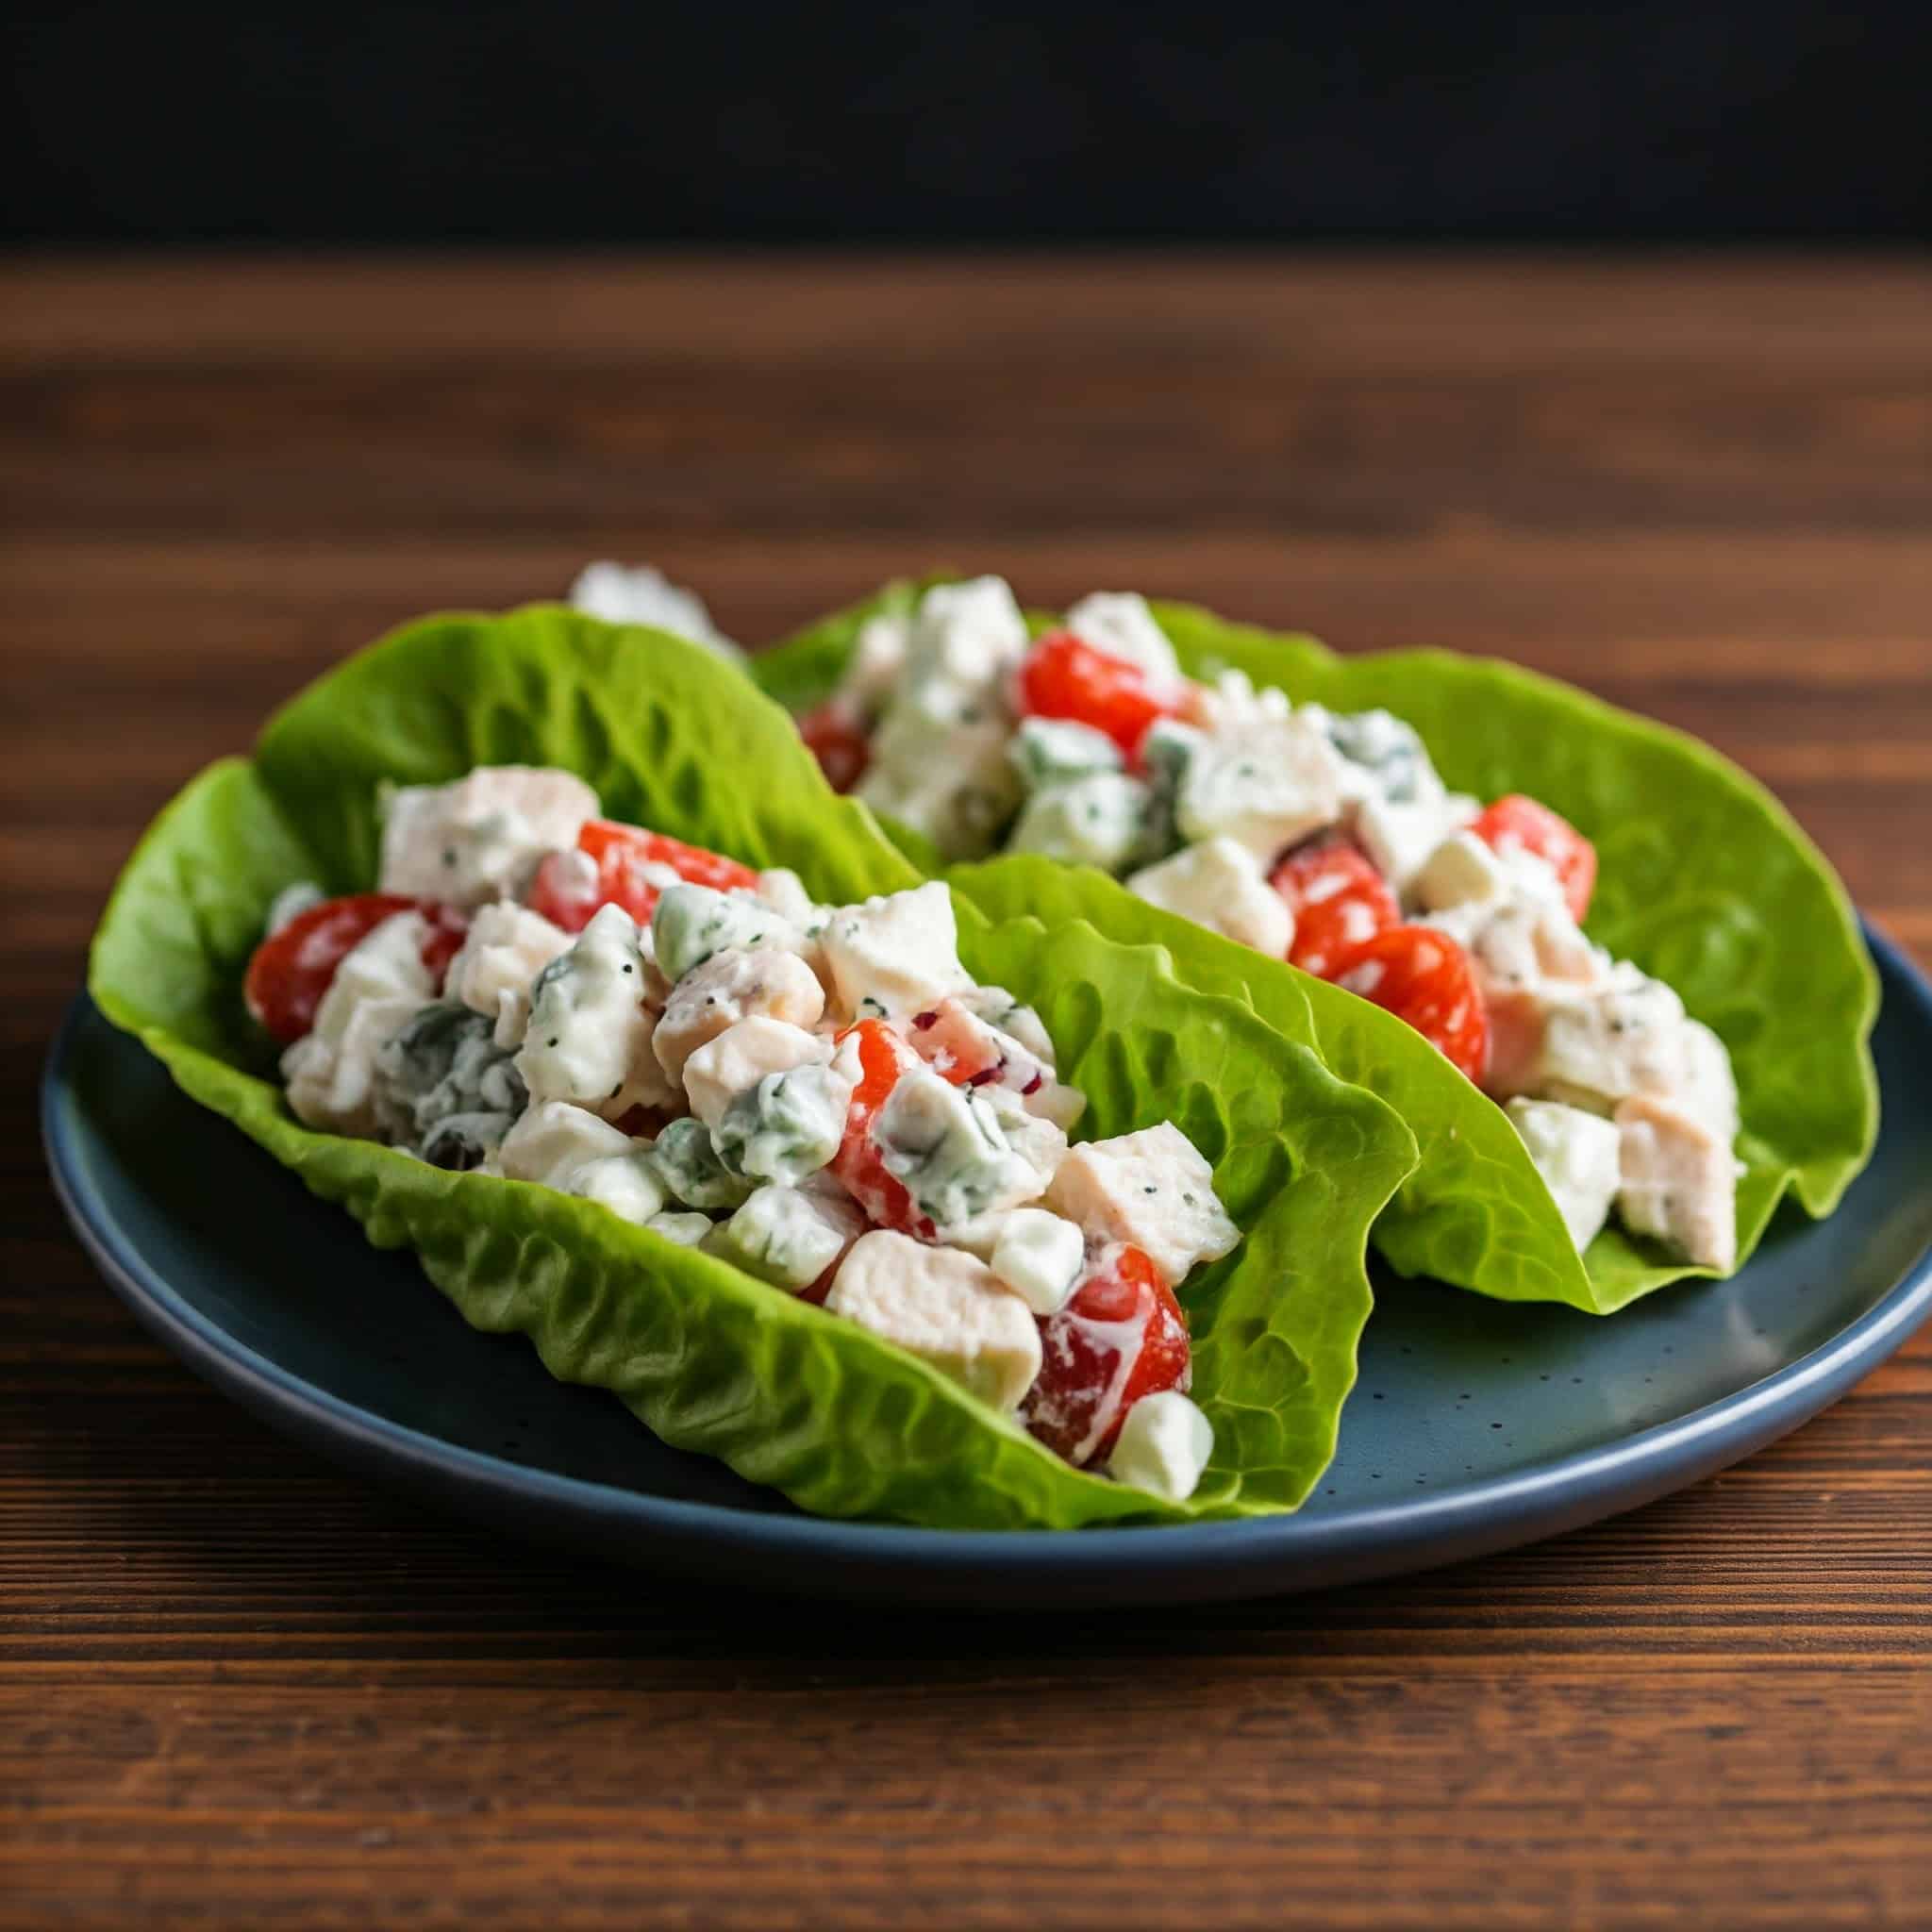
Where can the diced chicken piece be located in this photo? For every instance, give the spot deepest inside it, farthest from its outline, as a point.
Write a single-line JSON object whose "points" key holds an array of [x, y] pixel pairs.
{"points": [[1050, 751], [1517, 1017], [895, 955], [1679, 1182], [980, 1236], [507, 946], [969, 634], [1707, 1089], [1264, 784], [1151, 1188], [1119, 624], [1398, 836], [1231, 702], [379, 984], [731, 986], [626, 1184], [1507, 909], [552, 1142], [1054, 1105], [1221, 885], [1037, 1136], [947, 1146], [1014, 1017], [938, 763], [1601, 1047], [1466, 871], [944, 1306], [588, 1037], [788, 1237], [949, 780], [1163, 1446], [737, 1058], [1098, 820], [1527, 942], [1576, 1154], [480, 839], [791, 1124], [1041, 1258], [692, 923], [1000, 1010], [643, 594], [783, 891]]}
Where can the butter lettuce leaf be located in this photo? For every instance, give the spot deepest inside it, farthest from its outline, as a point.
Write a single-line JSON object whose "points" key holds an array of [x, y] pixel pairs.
{"points": [[842, 1422], [1703, 880], [1474, 1212]]}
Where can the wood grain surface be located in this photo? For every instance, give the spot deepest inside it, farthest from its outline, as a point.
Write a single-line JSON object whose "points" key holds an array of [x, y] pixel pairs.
{"points": [[238, 1689]]}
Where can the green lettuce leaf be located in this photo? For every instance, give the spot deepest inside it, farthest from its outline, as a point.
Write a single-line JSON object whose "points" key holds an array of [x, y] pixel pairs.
{"points": [[1704, 881], [842, 1422]]}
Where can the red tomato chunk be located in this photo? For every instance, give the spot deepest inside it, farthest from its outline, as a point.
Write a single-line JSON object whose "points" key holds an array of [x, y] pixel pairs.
{"points": [[568, 892], [291, 969], [1424, 976], [1517, 823], [1063, 677], [1338, 898], [883, 1056], [607, 842], [1122, 1336]]}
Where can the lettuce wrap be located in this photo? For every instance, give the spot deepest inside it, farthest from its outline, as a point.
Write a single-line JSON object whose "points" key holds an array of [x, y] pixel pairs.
{"points": [[1704, 881], [842, 1422]]}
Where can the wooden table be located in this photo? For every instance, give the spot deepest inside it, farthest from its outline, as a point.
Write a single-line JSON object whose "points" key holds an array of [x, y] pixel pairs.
{"points": [[241, 1689]]}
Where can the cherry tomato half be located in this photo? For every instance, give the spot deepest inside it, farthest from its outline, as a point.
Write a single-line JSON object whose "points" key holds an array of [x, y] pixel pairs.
{"points": [[1338, 898], [291, 969], [1516, 823], [1424, 976], [1062, 677], [1122, 1336], [607, 868]]}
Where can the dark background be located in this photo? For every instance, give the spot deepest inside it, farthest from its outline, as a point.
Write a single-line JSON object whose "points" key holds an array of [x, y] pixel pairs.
{"points": [[135, 121]]}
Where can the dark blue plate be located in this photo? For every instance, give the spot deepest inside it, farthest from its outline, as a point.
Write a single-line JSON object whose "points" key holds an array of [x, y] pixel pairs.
{"points": [[1475, 1425]]}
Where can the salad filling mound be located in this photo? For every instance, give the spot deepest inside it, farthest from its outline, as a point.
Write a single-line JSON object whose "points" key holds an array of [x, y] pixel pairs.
{"points": [[820, 1095], [1328, 839]]}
